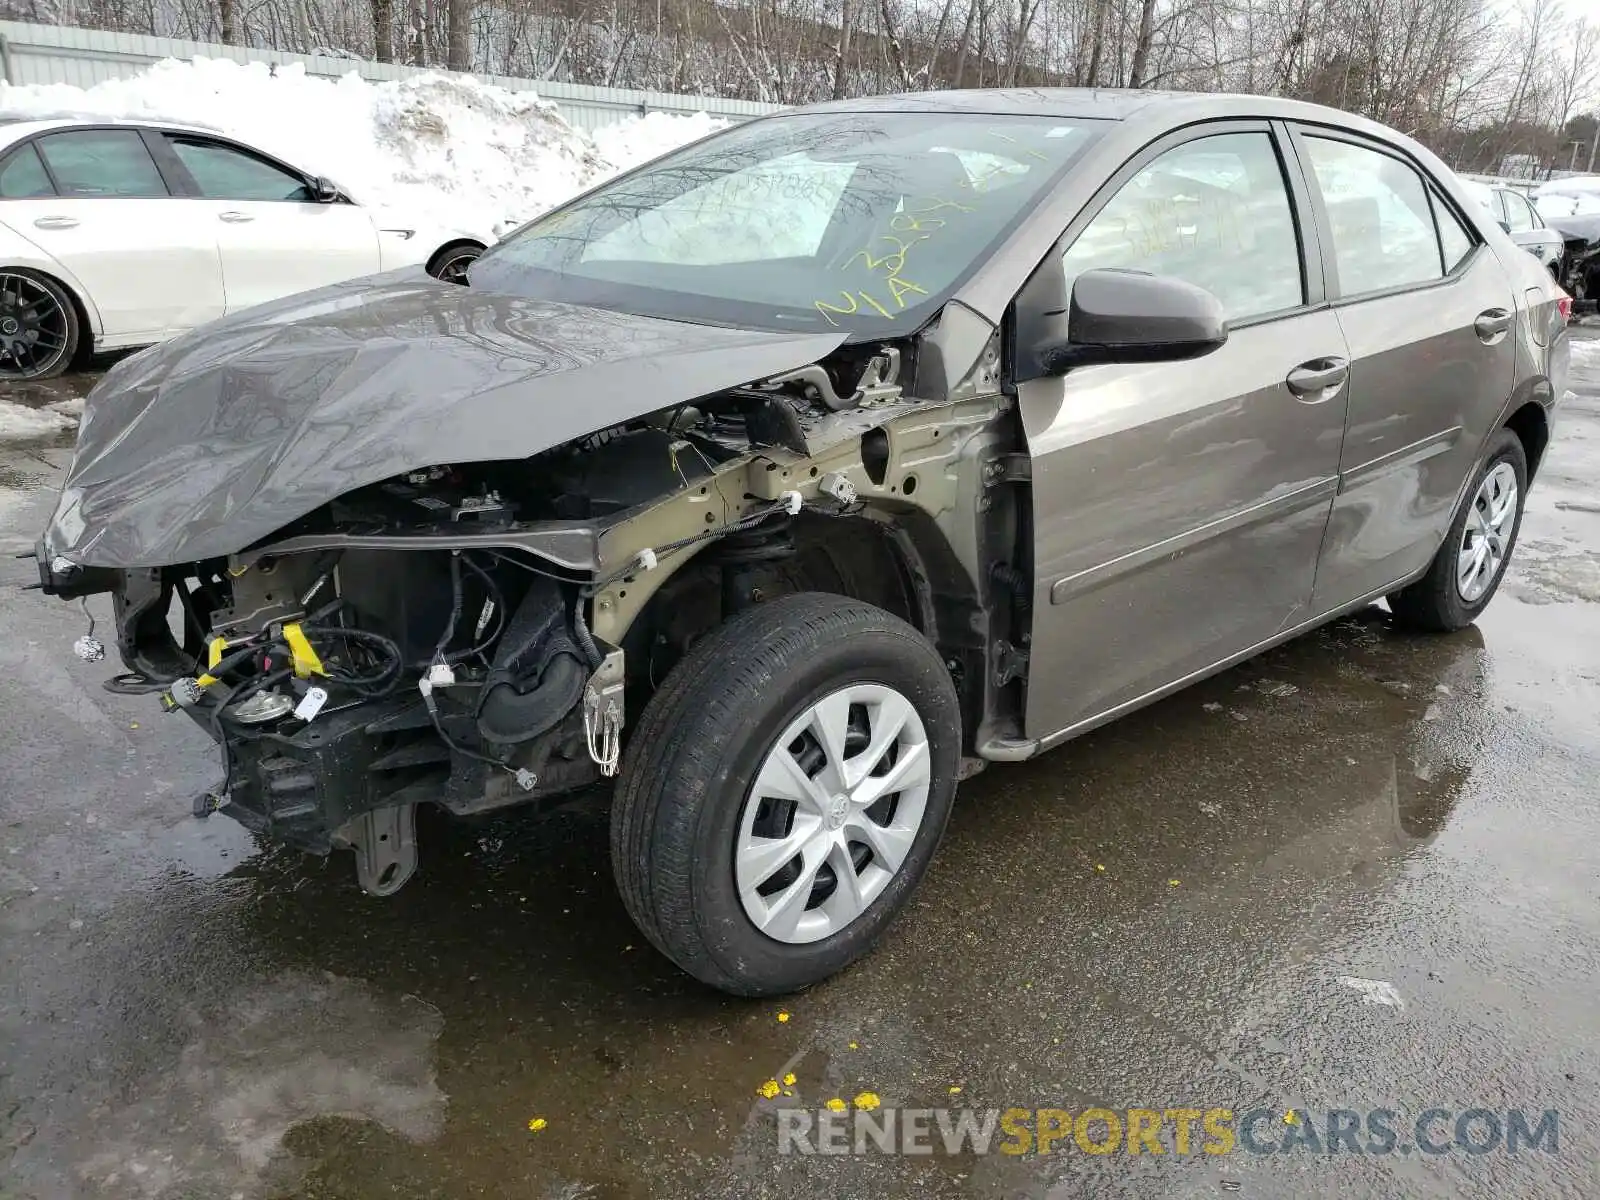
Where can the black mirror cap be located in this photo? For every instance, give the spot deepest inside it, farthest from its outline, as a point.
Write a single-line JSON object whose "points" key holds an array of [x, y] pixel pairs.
{"points": [[1134, 316], [325, 190]]}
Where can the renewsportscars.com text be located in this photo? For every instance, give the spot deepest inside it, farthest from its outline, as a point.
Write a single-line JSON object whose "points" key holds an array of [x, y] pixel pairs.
{"points": [[1178, 1131]]}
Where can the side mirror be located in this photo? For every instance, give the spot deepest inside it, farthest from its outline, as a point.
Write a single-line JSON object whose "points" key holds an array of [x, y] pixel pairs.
{"points": [[1120, 316], [325, 190]]}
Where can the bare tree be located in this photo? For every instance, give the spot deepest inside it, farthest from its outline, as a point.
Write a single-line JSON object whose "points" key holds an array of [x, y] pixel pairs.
{"points": [[458, 23], [841, 81], [382, 29], [893, 40], [1475, 79]]}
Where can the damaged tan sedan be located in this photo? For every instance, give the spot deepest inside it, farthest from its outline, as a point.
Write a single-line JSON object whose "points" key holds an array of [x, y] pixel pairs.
{"points": [[799, 474]]}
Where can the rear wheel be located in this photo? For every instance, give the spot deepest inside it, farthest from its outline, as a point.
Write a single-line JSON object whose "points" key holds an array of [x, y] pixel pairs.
{"points": [[784, 792], [38, 326], [1468, 568]]}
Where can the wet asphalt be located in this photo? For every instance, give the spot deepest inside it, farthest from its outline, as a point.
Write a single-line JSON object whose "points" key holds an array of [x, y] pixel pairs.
{"points": [[1162, 914]]}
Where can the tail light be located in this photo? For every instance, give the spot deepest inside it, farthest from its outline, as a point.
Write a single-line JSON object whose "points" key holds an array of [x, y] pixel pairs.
{"points": [[1564, 307]]}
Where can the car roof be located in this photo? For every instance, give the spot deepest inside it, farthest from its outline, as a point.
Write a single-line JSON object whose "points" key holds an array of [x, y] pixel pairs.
{"points": [[16, 126], [1114, 104]]}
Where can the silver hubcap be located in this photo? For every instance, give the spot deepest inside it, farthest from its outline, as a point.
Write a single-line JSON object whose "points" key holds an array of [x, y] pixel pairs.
{"points": [[833, 813], [1488, 533]]}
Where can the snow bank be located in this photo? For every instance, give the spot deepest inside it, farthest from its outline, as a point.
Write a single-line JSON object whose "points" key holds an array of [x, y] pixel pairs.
{"points": [[20, 423], [1577, 196], [1585, 353], [639, 139], [448, 148]]}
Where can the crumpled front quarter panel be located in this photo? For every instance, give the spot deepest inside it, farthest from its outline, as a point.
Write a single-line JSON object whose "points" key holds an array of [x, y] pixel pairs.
{"points": [[205, 445]]}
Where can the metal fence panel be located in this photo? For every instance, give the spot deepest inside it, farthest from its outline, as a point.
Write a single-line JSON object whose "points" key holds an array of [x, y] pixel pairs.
{"points": [[84, 57]]}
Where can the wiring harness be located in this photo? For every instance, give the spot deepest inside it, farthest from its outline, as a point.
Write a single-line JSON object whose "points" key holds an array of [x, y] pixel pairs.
{"points": [[362, 664]]}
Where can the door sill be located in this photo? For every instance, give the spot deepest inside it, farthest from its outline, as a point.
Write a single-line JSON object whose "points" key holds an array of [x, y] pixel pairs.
{"points": [[1017, 749]]}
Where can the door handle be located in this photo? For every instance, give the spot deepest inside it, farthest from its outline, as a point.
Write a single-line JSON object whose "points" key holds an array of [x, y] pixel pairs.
{"points": [[235, 218], [1318, 379], [56, 223], [1491, 324]]}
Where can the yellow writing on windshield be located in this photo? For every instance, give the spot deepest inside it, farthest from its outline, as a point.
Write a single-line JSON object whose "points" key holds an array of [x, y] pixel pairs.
{"points": [[874, 304], [934, 204], [899, 287], [893, 261], [856, 299], [1028, 150], [827, 310], [914, 218]]}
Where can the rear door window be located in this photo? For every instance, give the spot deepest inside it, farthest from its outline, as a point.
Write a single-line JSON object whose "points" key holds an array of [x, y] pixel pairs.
{"points": [[1382, 223], [23, 176], [102, 163]]}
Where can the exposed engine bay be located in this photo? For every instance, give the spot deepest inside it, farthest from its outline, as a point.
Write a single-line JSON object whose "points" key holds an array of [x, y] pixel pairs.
{"points": [[475, 635]]}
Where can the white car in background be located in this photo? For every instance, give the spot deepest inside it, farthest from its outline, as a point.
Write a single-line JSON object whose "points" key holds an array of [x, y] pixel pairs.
{"points": [[116, 234], [1522, 219]]}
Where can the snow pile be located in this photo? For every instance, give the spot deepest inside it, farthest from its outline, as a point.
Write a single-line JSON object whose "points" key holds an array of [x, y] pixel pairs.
{"points": [[1586, 356], [459, 153], [22, 423], [1564, 204], [1578, 196], [639, 139]]}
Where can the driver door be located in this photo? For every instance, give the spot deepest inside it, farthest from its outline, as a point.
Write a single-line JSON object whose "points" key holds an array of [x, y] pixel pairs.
{"points": [[1179, 507]]}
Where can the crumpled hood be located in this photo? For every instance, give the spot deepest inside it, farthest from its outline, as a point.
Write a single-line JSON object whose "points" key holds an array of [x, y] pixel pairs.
{"points": [[207, 444]]}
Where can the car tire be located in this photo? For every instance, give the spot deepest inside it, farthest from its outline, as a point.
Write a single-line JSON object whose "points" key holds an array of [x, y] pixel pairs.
{"points": [[24, 291], [1450, 596], [451, 262], [707, 801]]}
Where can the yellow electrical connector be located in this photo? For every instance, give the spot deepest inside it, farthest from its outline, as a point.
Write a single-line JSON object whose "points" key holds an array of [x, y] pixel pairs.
{"points": [[213, 657], [301, 655]]}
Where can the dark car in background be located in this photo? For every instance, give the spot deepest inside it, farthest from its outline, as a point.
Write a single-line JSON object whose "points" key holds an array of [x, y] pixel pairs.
{"points": [[805, 471]]}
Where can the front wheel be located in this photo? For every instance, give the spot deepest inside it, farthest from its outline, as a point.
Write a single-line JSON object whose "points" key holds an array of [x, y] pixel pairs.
{"points": [[451, 263], [785, 791], [1468, 568]]}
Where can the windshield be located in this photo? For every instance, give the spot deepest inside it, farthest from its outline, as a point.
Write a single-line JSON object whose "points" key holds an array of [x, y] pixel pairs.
{"points": [[864, 222]]}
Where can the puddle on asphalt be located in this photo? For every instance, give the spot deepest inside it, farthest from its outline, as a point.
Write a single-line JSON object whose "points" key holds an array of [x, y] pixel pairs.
{"points": [[16, 479], [291, 1050]]}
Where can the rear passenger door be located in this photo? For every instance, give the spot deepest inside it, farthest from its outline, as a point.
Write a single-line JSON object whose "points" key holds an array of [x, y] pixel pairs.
{"points": [[1427, 312], [95, 200], [275, 237]]}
